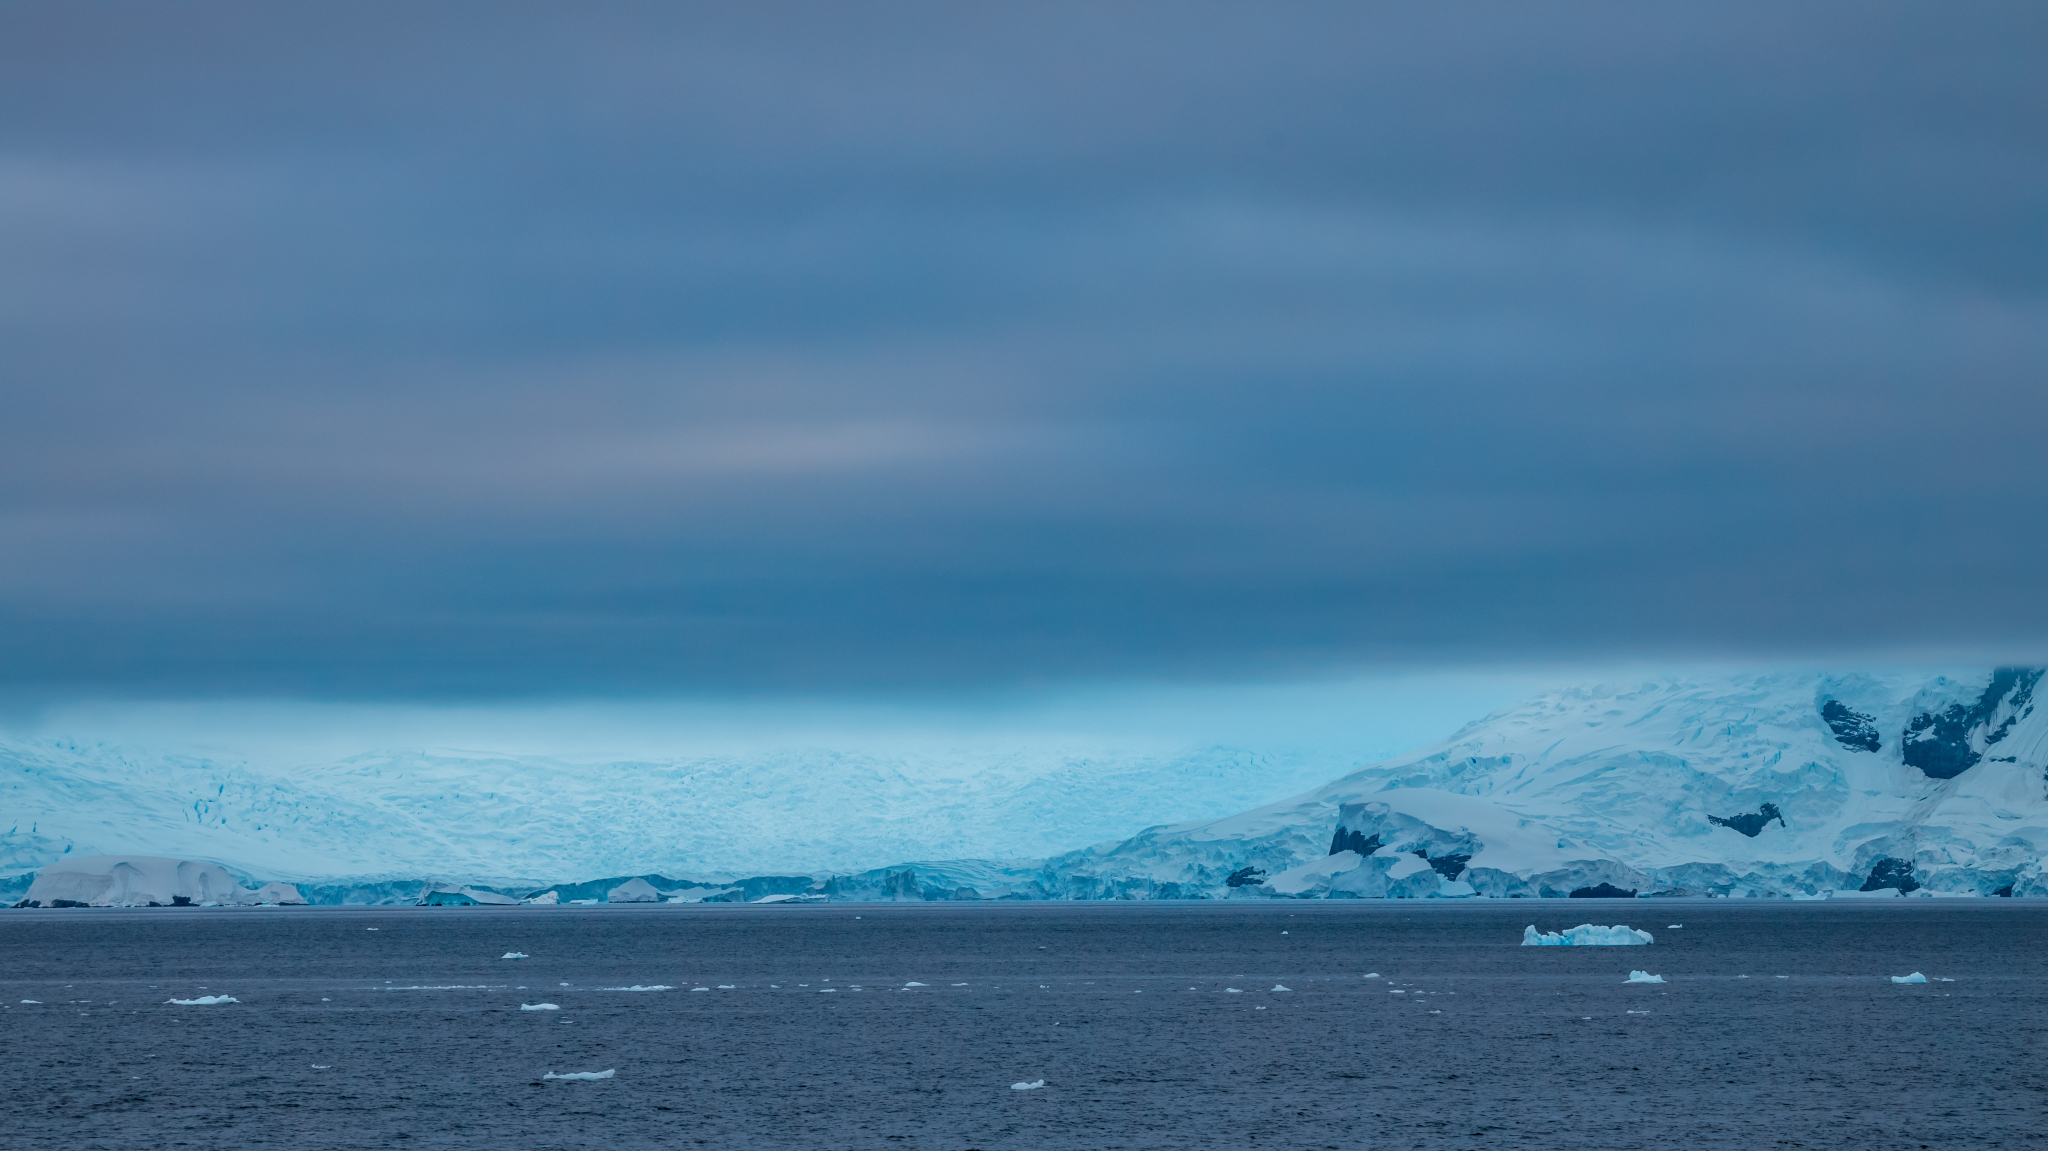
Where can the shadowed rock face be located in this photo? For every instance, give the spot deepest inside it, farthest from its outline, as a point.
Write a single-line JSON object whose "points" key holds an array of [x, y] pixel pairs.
{"points": [[1354, 841], [1890, 872], [1449, 866], [1853, 729], [1603, 891], [1944, 744], [1751, 823], [1247, 877]]}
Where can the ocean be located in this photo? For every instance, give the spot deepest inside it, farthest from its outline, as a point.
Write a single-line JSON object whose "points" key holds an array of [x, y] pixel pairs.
{"points": [[1284, 1024]]}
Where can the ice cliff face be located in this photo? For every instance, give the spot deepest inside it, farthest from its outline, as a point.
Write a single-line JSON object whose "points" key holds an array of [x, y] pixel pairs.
{"points": [[1771, 785]]}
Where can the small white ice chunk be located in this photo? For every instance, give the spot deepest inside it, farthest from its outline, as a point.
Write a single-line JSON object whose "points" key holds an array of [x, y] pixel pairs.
{"points": [[540, 1007], [1586, 935], [1034, 1085], [1643, 977], [1674, 927], [914, 983], [515, 955], [1916, 977], [210, 1000], [606, 1074], [638, 987], [1233, 991], [1370, 975], [1277, 987]]}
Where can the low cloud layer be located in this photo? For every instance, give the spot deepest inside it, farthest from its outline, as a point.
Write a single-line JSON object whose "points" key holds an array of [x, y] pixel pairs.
{"points": [[474, 351]]}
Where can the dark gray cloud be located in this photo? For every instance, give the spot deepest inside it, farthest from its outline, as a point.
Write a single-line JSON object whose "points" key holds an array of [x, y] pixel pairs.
{"points": [[495, 349]]}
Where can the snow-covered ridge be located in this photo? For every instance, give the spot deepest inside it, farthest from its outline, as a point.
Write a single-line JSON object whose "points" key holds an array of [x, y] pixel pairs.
{"points": [[1789, 784]]}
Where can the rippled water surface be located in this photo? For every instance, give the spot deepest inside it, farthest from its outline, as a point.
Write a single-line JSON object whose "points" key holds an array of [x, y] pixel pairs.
{"points": [[1777, 1026]]}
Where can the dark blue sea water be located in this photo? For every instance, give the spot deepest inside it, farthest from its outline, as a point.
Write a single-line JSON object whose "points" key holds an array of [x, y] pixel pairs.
{"points": [[1777, 1027]]}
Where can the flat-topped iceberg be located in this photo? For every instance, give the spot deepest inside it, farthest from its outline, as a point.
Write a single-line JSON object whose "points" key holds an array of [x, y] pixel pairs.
{"points": [[146, 881], [1643, 977], [1916, 977], [1586, 935]]}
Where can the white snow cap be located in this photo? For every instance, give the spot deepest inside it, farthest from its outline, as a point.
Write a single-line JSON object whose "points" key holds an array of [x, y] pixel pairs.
{"points": [[605, 1074], [210, 1000], [540, 1007], [1586, 935], [1916, 977], [1643, 977], [1034, 1085]]}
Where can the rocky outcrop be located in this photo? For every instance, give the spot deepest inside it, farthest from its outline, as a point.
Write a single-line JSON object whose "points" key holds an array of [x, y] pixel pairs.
{"points": [[1951, 741], [1750, 824], [1853, 729]]}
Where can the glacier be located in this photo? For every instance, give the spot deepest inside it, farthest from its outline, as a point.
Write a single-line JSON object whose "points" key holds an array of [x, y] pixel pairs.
{"points": [[1800, 784]]}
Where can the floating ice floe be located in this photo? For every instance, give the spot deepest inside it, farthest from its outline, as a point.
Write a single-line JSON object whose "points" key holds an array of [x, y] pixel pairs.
{"points": [[540, 1007], [1034, 1085], [1674, 927], [1370, 975], [1643, 977], [1277, 987], [1586, 935], [515, 955], [1233, 991], [914, 983], [1916, 977], [210, 1000], [605, 1074], [637, 987]]}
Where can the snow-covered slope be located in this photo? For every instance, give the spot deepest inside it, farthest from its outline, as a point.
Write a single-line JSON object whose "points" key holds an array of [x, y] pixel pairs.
{"points": [[1793, 784], [516, 819]]}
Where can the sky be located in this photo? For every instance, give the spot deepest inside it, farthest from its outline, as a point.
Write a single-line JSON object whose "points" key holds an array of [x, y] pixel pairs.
{"points": [[471, 355]]}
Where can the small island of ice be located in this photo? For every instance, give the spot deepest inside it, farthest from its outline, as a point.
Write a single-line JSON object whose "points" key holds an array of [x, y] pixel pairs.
{"points": [[1586, 935]]}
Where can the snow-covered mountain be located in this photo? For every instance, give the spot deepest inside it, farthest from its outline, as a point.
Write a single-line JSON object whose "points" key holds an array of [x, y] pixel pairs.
{"points": [[1790, 784], [1795, 784]]}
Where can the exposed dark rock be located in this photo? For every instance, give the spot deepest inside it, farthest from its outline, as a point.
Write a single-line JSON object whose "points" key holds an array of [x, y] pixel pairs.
{"points": [[1940, 743], [1751, 823], [1603, 891], [1448, 866], [1890, 872], [30, 903], [181, 901], [2004, 892], [1853, 729], [68, 903], [1246, 877], [1354, 841]]}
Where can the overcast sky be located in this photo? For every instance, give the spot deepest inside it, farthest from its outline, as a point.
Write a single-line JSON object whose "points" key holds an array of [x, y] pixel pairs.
{"points": [[488, 351]]}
